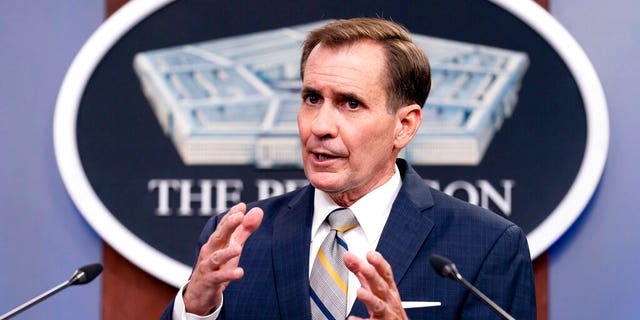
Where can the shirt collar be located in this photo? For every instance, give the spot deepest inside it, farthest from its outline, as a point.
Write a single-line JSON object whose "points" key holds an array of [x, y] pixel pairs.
{"points": [[372, 210]]}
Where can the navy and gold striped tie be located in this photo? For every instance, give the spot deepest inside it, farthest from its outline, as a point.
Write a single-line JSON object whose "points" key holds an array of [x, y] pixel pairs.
{"points": [[329, 275]]}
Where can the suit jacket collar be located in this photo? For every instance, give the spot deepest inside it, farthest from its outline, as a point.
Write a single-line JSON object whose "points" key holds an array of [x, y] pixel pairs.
{"points": [[290, 250]]}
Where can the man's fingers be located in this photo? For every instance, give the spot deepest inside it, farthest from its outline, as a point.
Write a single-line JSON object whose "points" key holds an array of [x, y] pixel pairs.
{"points": [[376, 306], [219, 266], [250, 222], [229, 223], [204, 291], [354, 264], [375, 281], [378, 291], [365, 273], [223, 276], [218, 260], [220, 257], [224, 246], [382, 267]]}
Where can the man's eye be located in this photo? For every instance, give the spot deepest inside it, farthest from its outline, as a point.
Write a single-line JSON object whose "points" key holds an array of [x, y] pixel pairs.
{"points": [[312, 99], [353, 104]]}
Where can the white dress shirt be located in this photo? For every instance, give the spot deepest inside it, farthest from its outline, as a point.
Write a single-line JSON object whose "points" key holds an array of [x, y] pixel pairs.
{"points": [[371, 211]]}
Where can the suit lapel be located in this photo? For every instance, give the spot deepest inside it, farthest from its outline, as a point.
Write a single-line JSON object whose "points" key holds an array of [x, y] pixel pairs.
{"points": [[407, 227], [291, 256]]}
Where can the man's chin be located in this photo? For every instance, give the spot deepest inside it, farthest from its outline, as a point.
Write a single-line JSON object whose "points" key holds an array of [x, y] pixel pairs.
{"points": [[326, 182]]}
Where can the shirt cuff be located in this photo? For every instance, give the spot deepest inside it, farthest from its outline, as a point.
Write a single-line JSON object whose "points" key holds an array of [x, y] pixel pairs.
{"points": [[180, 313]]}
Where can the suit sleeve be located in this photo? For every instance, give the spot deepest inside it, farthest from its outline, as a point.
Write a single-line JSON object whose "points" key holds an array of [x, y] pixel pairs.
{"points": [[506, 277]]}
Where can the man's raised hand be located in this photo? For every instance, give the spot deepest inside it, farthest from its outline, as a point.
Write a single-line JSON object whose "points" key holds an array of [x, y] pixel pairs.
{"points": [[378, 290], [218, 260]]}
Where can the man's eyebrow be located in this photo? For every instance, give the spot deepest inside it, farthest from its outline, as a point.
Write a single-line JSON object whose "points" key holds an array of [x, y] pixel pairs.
{"points": [[342, 95], [349, 96], [308, 90]]}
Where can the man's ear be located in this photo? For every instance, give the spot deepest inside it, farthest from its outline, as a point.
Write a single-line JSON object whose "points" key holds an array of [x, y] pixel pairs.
{"points": [[409, 119]]}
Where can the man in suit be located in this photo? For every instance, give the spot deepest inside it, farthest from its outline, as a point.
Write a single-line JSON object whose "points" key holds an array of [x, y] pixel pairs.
{"points": [[364, 84]]}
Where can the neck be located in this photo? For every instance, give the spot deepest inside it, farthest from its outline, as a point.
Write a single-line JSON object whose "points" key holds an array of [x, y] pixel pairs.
{"points": [[347, 198]]}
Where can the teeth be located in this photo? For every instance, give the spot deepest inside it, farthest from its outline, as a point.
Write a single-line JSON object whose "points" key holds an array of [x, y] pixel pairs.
{"points": [[322, 157]]}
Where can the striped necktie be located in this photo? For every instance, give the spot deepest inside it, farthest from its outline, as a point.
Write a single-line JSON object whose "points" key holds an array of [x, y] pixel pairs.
{"points": [[329, 275]]}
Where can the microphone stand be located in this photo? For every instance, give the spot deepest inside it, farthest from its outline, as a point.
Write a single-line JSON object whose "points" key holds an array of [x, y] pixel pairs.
{"points": [[35, 300], [482, 297], [447, 269], [81, 276]]}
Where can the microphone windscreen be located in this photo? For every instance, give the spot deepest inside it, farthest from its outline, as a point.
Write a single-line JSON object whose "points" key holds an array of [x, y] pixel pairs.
{"points": [[442, 265], [91, 271]]}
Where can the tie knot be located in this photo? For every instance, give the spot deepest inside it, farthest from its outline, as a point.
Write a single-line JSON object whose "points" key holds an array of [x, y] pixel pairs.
{"points": [[342, 219]]}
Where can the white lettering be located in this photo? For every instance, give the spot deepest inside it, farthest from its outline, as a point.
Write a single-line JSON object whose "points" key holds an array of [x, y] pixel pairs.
{"points": [[228, 192], [271, 188], [487, 191], [468, 188], [186, 197], [483, 195], [163, 186]]}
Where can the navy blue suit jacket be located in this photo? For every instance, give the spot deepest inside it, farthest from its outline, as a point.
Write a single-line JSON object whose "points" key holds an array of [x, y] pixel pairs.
{"points": [[489, 251]]}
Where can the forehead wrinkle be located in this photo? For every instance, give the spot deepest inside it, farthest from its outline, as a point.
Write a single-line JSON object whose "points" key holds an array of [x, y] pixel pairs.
{"points": [[333, 71], [337, 83]]}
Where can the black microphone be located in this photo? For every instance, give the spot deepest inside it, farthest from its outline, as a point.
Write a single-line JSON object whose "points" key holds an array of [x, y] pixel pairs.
{"points": [[81, 276], [447, 269]]}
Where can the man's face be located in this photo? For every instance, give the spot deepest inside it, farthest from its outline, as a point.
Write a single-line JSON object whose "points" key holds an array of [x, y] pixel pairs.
{"points": [[346, 130]]}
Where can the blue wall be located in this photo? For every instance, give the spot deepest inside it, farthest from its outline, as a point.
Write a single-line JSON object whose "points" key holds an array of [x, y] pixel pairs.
{"points": [[43, 238], [594, 267]]}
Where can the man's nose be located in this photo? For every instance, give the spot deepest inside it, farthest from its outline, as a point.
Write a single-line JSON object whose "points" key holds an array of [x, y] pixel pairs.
{"points": [[324, 123]]}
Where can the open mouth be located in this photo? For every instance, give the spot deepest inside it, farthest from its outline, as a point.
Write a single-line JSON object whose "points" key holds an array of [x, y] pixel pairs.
{"points": [[324, 156]]}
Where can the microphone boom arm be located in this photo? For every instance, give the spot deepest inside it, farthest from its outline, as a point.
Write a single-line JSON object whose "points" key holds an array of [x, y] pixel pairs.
{"points": [[484, 298], [35, 300], [81, 276], [447, 269]]}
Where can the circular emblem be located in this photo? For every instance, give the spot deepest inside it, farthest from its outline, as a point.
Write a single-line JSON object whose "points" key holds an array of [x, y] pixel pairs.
{"points": [[174, 111]]}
